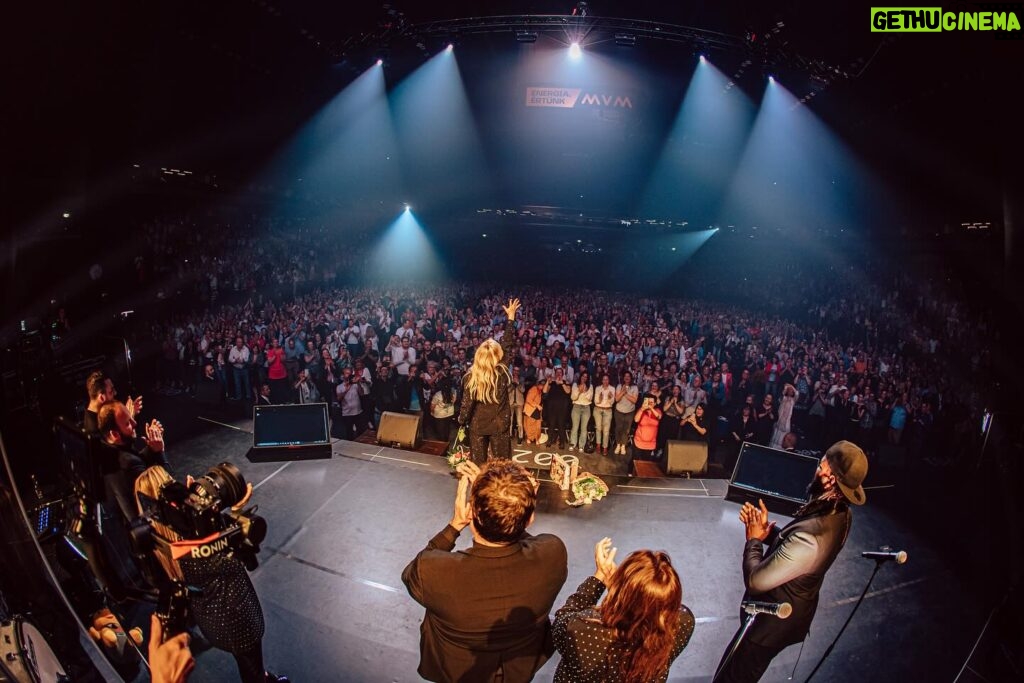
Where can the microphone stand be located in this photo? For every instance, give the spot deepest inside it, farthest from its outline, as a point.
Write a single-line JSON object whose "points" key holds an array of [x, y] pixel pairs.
{"points": [[748, 620], [828, 651]]}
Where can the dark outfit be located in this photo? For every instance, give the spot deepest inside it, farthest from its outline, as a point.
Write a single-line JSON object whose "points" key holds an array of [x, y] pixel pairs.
{"points": [[491, 423], [557, 405], [792, 571], [584, 642], [764, 426], [226, 608], [688, 433], [122, 465], [486, 607]]}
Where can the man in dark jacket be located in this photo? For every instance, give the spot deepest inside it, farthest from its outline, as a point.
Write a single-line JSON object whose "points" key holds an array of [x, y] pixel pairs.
{"points": [[477, 624], [125, 460], [798, 557]]}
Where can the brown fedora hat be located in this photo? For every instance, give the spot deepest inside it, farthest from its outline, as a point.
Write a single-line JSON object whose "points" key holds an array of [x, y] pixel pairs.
{"points": [[849, 466]]}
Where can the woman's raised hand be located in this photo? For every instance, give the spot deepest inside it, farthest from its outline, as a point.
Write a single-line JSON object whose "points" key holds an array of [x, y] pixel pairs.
{"points": [[511, 308]]}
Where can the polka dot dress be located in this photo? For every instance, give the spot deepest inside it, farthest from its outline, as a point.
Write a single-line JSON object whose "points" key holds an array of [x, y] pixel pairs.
{"points": [[584, 643], [227, 611]]}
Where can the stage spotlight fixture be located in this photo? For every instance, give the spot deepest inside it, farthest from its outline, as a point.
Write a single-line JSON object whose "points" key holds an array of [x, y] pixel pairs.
{"points": [[408, 207], [66, 215], [450, 47], [526, 36], [625, 39], [380, 62], [771, 78], [575, 51]]}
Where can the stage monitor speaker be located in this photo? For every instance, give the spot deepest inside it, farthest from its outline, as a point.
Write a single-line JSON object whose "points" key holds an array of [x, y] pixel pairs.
{"points": [[399, 430], [686, 457]]}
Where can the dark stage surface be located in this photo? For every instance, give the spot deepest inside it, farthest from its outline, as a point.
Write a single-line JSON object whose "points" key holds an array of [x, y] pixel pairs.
{"points": [[342, 530]]}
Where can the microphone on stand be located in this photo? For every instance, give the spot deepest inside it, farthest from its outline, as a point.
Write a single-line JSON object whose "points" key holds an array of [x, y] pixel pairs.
{"points": [[900, 556], [782, 610]]}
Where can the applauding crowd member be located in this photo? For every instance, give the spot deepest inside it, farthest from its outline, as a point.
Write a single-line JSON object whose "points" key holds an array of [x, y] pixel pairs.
{"points": [[477, 622], [636, 633]]}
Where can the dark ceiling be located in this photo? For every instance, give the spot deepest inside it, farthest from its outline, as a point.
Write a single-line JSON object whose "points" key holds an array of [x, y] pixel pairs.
{"points": [[97, 86]]}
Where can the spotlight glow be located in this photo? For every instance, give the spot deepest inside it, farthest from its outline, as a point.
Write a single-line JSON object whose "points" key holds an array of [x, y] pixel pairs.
{"points": [[380, 62], [703, 58], [771, 79], [450, 47], [575, 51], [408, 207]]}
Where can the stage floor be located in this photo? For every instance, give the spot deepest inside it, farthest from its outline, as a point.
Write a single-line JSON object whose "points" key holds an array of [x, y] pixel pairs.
{"points": [[342, 529]]}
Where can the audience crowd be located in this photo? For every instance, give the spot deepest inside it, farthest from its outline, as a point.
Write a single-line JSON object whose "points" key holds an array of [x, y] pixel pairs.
{"points": [[875, 359]]}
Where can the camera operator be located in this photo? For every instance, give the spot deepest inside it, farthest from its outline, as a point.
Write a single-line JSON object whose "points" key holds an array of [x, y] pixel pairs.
{"points": [[221, 597], [117, 429]]}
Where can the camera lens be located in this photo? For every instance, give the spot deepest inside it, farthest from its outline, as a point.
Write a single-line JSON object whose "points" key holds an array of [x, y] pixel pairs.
{"points": [[225, 483]]}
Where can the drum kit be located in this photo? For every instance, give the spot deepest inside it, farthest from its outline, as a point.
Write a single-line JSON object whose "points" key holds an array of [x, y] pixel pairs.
{"points": [[25, 656]]}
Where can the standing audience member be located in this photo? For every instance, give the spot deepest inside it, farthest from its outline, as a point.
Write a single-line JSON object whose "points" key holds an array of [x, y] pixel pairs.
{"points": [[238, 358], [636, 633], [647, 419], [352, 421], [517, 397], [604, 402], [479, 626], [672, 409], [765, 420], [277, 374], [626, 396], [783, 426], [442, 408], [533, 411], [694, 426], [557, 404], [582, 399]]}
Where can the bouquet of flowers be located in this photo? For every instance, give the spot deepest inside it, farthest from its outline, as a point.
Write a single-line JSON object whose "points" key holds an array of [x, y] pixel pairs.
{"points": [[587, 488], [458, 449]]}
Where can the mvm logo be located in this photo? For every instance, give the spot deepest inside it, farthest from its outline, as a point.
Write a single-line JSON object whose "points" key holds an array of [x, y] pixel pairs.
{"points": [[607, 101], [568, 98]]}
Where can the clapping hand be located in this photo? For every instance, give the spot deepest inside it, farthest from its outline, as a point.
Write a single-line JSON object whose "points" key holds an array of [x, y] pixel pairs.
{"points": [[134, 406], [756, 520], [155, 436], [511, 308], [604, 559], [463, 511]]}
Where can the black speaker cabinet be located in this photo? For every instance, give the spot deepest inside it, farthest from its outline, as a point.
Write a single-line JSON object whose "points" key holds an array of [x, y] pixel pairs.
{"points": [[399, 430], [686, 457]]}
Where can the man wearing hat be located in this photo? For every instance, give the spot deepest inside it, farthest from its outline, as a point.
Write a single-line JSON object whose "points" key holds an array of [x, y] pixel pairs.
{"points": [[798, 557]]}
